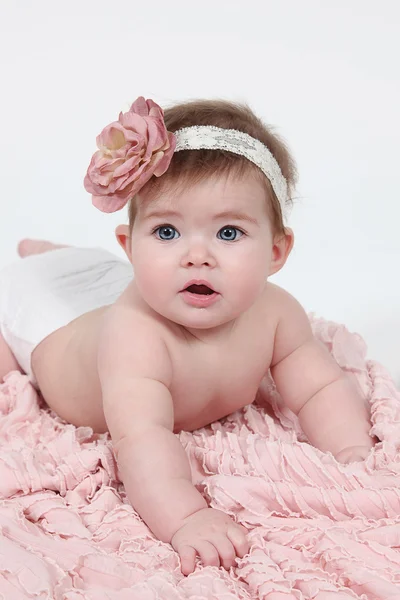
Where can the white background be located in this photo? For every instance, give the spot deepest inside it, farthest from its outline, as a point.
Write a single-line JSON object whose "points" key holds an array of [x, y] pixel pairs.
{"points": [[326, 74]]}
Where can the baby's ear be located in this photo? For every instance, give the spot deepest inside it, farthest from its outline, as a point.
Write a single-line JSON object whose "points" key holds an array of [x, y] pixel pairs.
{"points": [[283, 244], [123, 235]]}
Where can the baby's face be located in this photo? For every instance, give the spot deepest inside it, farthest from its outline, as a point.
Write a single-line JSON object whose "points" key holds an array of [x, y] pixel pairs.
{"points": [[217, 232]]}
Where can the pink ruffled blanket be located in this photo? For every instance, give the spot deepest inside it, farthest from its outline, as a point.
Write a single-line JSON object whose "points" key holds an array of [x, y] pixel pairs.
{"points": [[318, 529]]}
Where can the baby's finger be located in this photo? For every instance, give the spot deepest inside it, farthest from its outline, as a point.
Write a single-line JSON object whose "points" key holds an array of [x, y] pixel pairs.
{"points": [[236, 534], [187, 555], [226, 551], [208, 553]]}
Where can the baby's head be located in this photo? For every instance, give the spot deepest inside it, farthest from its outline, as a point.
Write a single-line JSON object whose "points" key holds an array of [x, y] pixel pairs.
{"points": [[189, 167], [211, 215]]}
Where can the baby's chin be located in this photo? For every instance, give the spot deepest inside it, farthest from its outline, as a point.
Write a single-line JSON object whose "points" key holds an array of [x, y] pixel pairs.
{"points": [[201, 318], [192, 317]]}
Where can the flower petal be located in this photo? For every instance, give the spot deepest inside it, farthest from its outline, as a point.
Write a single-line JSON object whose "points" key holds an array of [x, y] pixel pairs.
{"points": [[112, 137], [140, 106], [108, 204], [131, 151]]}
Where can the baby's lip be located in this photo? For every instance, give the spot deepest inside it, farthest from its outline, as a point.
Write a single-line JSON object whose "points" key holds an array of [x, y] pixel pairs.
{"points": [[198, 282]]}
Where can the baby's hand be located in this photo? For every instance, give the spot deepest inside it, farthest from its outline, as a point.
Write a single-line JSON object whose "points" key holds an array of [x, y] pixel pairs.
{"points": [[353, 454], [213, 536]]}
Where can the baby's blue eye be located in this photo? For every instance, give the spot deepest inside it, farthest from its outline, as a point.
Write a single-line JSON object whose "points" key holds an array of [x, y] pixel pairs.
{"points": [[230, 233], [166, 232]]}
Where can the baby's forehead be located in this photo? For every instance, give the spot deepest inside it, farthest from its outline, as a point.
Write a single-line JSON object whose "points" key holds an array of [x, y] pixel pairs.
{"points": [[203, 215], [220, 194]]}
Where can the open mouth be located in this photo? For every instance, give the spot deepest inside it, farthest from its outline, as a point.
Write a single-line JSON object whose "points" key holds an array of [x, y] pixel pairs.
{"points": [[202, 290], [199, 295]]}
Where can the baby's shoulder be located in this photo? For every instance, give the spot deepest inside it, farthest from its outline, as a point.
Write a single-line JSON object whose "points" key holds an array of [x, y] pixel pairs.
{"points": [[292, 325], [133, 342], [280, 302], [284, 311], [124, 321]]}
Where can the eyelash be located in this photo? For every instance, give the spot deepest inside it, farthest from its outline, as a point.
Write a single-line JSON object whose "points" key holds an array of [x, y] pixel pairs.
{"points": [[224, 227]]}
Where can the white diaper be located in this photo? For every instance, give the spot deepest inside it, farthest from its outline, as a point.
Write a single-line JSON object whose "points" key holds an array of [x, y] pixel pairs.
{"points": [[41, 293]]}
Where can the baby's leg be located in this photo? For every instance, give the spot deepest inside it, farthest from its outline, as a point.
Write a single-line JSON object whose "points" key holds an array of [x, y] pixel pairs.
{"points": [[8, 361], [27, 247]]}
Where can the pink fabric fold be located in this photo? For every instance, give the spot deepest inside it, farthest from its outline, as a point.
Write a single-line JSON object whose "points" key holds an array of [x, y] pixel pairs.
{"points": [[318, 530]]}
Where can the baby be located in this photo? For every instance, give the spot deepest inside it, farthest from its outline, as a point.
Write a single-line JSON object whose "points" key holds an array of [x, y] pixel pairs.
{"points": [[190, 337]]}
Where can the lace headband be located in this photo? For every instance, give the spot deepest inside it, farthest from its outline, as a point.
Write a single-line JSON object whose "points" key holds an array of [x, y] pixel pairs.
{"points": [[208, 137], [138, 146]]}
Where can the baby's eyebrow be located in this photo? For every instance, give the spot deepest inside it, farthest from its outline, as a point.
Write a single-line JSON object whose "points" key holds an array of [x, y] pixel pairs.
{"points": [[227, 214], [161, 214], [236, 215]]}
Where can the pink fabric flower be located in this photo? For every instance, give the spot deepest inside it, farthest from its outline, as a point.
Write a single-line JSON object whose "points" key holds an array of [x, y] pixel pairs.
{"points": [[130, 151]]}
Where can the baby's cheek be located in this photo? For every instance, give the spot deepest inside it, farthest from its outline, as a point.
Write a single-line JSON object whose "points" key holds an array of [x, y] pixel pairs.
{"points": [[152, 280], [251, 280]]}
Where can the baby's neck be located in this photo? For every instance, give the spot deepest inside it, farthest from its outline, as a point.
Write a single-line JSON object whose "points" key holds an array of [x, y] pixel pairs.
{"points": [[212, 335]]}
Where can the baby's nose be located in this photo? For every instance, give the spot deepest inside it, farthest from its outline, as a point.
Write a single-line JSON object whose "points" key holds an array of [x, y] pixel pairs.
{"points": [[198, 255]]}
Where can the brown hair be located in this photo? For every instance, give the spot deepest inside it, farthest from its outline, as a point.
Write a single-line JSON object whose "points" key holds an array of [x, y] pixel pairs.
{"points": [[188, 167]]}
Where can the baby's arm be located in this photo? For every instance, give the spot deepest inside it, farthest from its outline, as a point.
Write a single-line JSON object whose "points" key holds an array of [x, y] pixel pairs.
{"points": [[331, 410], [135, 375]]}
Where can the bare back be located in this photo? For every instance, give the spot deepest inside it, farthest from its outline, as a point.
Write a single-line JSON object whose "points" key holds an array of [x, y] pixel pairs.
{"points": [[209, 379]]}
